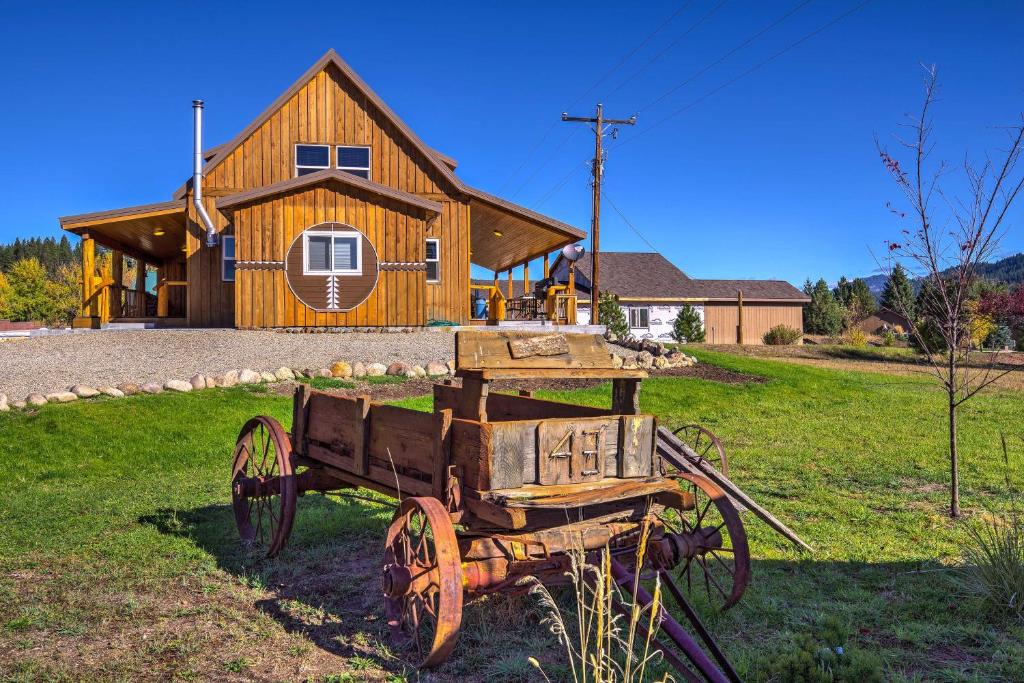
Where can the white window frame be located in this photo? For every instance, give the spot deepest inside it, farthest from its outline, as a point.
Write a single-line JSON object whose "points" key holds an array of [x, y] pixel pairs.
{"points": [[224, 258], [436, 259], [369, 160], [358, 270], [295, 157], [638, 309]]}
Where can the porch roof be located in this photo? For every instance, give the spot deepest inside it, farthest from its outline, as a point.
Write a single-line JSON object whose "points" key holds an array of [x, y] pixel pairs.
{"points": [[504, 235], [148, 231]]}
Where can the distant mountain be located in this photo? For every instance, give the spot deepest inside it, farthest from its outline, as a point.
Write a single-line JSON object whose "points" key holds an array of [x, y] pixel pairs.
{"points": [[1009, 270]]}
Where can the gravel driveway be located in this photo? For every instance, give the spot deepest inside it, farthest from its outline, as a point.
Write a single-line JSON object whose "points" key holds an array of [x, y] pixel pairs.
{"points": [[47, 364]]}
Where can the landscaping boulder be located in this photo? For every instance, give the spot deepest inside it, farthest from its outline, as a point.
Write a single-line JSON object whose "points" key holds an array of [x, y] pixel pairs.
{"points": [[617, 361], [268, 377], [151, 388], [18, 404], [419, 371], [435, 369], [660, 363], [611, 337], [629, 363], [36, 400], [112, 392], [128, 388], [376, 369], [3, 403], [324, 372], [451, 367], [340, 368], [229, 379], [61, 397], [359, 370], [644, 360], [248, 376], [177, 385], [398, 369], [284, 374], [198, 381], [84, 391]]}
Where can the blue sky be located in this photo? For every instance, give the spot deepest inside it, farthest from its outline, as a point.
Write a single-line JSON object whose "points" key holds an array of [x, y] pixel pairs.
{"points": [[774, 176]]}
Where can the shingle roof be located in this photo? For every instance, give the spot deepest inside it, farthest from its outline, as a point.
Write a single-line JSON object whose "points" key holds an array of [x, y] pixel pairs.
{"points": [[752, 289], [649, 275], [629, 274]]}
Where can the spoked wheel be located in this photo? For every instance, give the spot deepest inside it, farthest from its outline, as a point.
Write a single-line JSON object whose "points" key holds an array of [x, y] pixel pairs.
{"points": [[422, 580], [705, 444], [263, 488], [711, 554]]}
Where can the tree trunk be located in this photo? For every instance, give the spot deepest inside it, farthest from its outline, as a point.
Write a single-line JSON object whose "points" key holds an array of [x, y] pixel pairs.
{"points": [[954, 465]]}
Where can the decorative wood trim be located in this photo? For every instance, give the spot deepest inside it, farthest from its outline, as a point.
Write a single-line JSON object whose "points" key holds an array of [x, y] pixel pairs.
{"points": [[398, 265], [259, 265]]}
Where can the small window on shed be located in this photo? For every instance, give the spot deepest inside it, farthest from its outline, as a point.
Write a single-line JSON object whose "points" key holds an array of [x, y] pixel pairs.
{"points": [[354, 160], [639, 317], [433, 260], [311, 158]]}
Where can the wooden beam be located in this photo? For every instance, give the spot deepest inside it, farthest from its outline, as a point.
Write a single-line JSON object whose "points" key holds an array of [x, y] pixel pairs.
{"points": [[526, 278], [547, 266], [739, 317], [88, 271], [511, 294]]}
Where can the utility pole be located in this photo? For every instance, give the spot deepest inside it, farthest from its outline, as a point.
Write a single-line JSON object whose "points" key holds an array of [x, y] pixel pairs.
{"points": [[599, 127]]}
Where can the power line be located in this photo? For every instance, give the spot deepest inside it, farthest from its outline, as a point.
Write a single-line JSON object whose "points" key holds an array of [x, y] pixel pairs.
{"points": [[547, 160], [730, 53], [746, 73], [693, 27], [599, 81], [560, 184], [627, 221]]}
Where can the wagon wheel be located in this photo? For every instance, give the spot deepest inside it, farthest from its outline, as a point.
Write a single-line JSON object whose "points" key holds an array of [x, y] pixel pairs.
{"points": [[705, 444], [263, 488], [713, 558], [422, 580]]}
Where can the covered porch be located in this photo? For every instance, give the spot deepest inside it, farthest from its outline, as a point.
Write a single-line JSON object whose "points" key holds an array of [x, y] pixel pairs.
{"points": [[119, 248], [504, 238]]}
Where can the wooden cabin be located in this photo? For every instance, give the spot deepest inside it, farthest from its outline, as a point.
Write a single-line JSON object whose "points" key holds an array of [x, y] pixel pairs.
{"points": [[327, 210]]}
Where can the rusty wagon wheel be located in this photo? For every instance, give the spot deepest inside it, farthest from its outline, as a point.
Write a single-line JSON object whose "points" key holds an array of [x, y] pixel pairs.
{"points": [[422, 580], [713, 559], [263, 487], [705, 444]]}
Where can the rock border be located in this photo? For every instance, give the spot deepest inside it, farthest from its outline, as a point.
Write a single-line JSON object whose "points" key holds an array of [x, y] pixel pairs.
{"points": [[650, 355]]}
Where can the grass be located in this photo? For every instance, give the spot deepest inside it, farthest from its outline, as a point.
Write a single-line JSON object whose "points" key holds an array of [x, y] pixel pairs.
{"points": [[118, 555]]}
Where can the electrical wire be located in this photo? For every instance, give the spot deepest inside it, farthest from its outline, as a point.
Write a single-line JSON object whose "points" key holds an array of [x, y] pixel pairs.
{"points": [[728, 54], [599, 81], [628, 222], [746, 73], [670, 46]]}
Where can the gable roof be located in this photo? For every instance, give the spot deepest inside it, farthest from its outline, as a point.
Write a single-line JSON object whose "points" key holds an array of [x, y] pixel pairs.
{"points": [[628, 274], [443, 164], [649, 275], [324, 176]]}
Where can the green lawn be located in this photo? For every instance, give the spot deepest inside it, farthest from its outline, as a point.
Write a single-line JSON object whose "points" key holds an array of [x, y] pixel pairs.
{"points": [[118, 557]]}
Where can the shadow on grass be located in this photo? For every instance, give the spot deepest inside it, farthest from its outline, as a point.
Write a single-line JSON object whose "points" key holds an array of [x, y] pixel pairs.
{"points": [[324, 586]]}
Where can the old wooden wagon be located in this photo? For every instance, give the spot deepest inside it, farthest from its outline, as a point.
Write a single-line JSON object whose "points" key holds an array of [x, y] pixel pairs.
{"points": [[494, 487]]}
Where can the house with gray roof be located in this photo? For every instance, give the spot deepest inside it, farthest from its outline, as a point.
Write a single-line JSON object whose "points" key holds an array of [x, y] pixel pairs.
{"points": [[651, 291]]}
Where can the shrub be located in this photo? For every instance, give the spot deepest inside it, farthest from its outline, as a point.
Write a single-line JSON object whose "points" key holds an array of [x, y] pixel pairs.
{"points": [[781, 335], [856, 337], [612, 315], [931, 334], [688, 326], [815, 662], [888, 338], [999, 338], [994, 556]]}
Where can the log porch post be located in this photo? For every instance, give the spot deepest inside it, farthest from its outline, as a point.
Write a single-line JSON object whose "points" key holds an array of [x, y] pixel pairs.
{"points": [[117, 275], [140, 289], [547, 266], [162, 304], [526, 278], [739, 316], [88, 317]]}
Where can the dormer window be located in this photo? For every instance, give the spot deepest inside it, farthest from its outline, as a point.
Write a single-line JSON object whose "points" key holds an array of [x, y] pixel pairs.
{"points": [[354, 160], [311, 158]]}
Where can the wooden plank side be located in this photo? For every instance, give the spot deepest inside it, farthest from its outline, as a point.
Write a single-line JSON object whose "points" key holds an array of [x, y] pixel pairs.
{"points": [[402, 437], [493, 350], [471, 452]]}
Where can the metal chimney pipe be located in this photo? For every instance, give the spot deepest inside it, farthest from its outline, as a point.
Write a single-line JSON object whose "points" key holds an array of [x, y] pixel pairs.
{"points": [[197, 174]]}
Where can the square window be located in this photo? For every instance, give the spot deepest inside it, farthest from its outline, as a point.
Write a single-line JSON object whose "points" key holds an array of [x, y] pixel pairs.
{"points": [[311, 158], [354, 160], [639, 317], [333, 253]]}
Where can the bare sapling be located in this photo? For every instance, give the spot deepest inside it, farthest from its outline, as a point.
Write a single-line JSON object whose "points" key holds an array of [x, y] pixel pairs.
{"points": [[954, 223]]}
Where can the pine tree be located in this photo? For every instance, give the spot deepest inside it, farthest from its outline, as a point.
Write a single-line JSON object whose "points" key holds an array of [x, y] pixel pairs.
{"points": [[688, 326], [824, 315], [843, 292], [612, 315], [898, 294], [862, 300]]}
